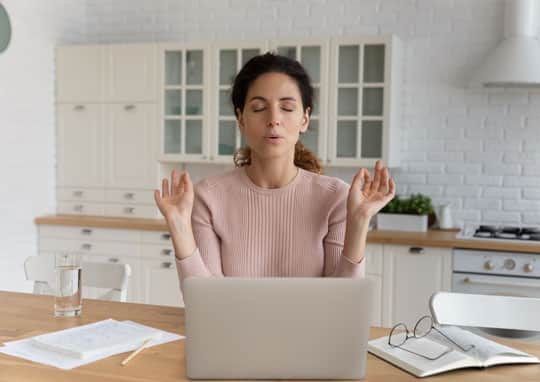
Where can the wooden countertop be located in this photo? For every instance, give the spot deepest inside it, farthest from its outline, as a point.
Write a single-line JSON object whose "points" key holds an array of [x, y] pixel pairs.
{"points": [[432, 238], [24, 315]]}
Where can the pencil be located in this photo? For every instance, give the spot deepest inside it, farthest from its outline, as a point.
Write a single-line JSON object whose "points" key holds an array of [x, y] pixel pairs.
{"points": [[137, 351]]}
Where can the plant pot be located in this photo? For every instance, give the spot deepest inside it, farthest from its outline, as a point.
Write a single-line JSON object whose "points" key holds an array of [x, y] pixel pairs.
{"points": [[402, 222]]}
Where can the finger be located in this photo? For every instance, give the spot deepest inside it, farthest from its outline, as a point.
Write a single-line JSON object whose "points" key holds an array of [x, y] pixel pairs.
{"points": [[377, 176], [157, 197], [383, 187], [187, 183], [174, 182], [367, 180], [165, 188], [357, 180], [391, 187]]}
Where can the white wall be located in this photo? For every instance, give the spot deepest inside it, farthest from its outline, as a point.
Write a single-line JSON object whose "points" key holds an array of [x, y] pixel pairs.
{"points": [[476, 149], [27, 163]]}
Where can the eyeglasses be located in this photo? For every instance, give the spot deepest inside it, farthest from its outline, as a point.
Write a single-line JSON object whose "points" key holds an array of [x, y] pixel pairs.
{"points": [[400, 334]]}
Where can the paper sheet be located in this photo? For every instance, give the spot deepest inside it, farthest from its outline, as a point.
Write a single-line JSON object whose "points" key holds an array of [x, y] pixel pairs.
{"points": [[27, 350]]}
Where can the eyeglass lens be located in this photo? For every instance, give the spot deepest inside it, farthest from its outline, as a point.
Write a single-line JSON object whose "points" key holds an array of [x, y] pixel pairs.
{"points": [[423, 327], [398, 335]]}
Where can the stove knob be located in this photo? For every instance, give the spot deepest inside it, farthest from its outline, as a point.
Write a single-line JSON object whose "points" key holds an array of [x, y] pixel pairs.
{"points": [[509, 264], [489, 265], [528, 268]]}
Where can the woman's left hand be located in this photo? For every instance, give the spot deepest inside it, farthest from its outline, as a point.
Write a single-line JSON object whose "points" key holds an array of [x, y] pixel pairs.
{"points": [[368, 195]]}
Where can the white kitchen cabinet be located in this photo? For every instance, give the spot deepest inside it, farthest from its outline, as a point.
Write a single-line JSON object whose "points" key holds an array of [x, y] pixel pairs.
{"points": [[80, 138], [131, 146], [227, 60], [374, 268], [184, 80], [130, 73], [365, 78], [410, 276], [80, 73], [150, 255]]}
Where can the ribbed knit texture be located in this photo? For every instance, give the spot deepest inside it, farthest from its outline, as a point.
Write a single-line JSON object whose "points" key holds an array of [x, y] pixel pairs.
{"points": [[293, 231]]}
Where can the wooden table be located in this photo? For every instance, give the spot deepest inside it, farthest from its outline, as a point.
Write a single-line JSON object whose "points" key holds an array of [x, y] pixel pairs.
{"points": [[23, 315]]}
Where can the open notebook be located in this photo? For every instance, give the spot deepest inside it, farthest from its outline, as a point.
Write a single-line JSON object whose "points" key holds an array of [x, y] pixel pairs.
{"points": [[484, 354], [89, 340]]}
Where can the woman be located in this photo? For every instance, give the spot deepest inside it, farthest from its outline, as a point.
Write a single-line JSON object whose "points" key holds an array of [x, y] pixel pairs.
{"points": [[274, 214]]}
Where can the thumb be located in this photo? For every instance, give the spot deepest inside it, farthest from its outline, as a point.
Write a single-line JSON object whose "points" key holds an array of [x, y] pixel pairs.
{"points": [[357, 180]]}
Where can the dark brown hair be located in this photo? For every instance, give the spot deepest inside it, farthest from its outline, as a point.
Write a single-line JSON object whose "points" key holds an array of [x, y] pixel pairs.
{"points": [[273, 63]]}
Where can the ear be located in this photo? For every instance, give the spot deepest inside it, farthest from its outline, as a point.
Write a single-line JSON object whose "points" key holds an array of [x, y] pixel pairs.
{"points": [[239, 119], [305, 120]]}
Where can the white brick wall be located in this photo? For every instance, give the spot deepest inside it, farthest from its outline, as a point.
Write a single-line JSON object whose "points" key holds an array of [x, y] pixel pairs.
{"points": [[27, 162]]}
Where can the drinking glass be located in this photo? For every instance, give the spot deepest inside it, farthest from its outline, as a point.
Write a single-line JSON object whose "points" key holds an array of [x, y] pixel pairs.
{"points": [[68, 296]]}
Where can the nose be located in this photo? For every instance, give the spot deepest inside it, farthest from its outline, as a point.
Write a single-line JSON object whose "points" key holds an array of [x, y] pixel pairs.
{"points": [[274, 118]]}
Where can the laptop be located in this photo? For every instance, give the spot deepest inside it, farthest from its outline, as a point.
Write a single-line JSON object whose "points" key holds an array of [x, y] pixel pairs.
{"points": [[277, 328]]}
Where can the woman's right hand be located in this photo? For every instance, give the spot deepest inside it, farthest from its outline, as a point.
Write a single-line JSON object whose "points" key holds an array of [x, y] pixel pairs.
{"points": [[175, 202]]}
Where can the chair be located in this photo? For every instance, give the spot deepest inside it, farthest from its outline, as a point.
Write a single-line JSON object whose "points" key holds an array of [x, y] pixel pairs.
{"points": [[486, 311], [114, 277]]}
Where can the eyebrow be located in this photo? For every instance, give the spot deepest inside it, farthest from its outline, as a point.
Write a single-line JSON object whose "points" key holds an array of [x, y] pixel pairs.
{"points": [[265, 100]]}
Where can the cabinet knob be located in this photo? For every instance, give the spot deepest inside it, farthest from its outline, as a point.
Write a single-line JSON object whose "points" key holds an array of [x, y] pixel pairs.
{"points": [[528, 267], [416, 250], [86, 231], [78, 107], [86, 246], [78, 193], [166, 236], [113, 260], [166, 252], [129, 210], [129, 107], [166, 265], [129, 195], [78, 207]]}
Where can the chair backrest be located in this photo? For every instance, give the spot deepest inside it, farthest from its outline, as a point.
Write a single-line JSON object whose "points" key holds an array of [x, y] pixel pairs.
{"points": [[113, 277], [487, 311]]}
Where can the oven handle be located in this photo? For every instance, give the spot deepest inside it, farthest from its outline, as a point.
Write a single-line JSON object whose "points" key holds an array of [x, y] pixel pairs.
{"points": [[469, 280]]}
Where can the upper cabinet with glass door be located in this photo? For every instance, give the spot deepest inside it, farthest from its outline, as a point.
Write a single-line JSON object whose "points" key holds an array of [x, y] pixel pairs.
{"points": [[184, 106], [228, 60], [364, 102], [313, 55]]}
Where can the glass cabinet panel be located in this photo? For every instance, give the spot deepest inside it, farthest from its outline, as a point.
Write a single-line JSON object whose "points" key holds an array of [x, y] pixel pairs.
{"points": [[371, 139], [194, 67], [173, 136], [227, 137], [194, 104], [173, 68], [372, 102], [173, 102], [194, 136], [248, 54], [311, 60], [348, 102], [316, 101], [227, 66], [225, 104], [310, 138], [346, 139], [374, 63], [287, 51], [349, 64]]}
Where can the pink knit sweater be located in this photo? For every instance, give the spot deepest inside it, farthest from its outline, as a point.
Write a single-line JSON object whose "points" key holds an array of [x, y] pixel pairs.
{"points": [[293, 231]]}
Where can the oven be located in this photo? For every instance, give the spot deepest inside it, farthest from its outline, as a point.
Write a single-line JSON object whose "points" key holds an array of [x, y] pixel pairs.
{"points": [[498, 273]]}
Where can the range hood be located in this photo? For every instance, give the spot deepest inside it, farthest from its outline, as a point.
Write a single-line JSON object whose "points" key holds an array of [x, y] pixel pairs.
{"points": [[515, 62]]}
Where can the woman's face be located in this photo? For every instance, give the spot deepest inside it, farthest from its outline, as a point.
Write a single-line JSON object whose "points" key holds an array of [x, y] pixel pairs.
{"points": [[273, 116]]}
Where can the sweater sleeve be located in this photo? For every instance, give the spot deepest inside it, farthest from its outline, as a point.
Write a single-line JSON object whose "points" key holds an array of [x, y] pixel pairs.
{"points": [[206, 259], [335, 264]]}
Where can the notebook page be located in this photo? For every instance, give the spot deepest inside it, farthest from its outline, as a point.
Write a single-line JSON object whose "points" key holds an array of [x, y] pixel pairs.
{"points": [[86, 340], [484, 349]]}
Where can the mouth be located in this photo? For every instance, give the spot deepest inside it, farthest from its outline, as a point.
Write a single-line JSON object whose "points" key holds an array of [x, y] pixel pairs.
{"points": [[273, 137]]}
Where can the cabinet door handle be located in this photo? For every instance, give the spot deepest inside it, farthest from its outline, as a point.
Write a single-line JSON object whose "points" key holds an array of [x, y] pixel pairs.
{"points": [[79, 107], [129, 107], [129, 210], [78, 208], [416, 250], [166, 236], [86, 246], [113, 260], [166, 252], [78, 193], [86, 231], [166, 265], [129, 195]]}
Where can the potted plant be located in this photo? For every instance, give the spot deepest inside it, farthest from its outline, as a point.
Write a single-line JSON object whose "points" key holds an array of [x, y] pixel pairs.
{"points": [[406, 214]]}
